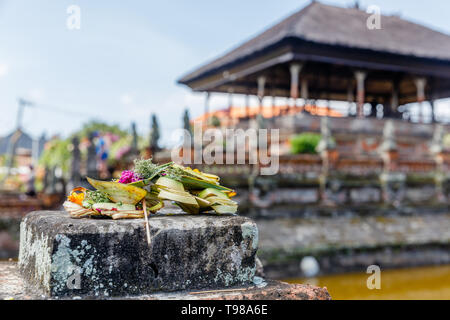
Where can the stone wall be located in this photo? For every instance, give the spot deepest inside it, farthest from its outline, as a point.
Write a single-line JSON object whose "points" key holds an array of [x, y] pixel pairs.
{"points": [[13, 207], [9, 237], [349, 242]]}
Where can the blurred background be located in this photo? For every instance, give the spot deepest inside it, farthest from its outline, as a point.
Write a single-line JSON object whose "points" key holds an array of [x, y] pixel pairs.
{"points": [[358, 89]]}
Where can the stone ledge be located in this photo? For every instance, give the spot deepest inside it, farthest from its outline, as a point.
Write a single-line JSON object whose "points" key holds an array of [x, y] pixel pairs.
{"points": [[12, 287], [112, 258], [275, 290], [351, 243]]}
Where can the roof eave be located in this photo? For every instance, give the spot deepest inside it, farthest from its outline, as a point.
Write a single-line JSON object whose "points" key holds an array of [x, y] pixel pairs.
{"points": [[298, 56]]}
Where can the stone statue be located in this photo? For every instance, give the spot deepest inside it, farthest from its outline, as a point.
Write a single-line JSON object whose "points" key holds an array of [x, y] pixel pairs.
{"points": [[75, 176], [51, 188], [154, 135], [326, 142], [91, 158], [46, 180], [388, 143], [437, 144], [260, 121], [134, 145]]}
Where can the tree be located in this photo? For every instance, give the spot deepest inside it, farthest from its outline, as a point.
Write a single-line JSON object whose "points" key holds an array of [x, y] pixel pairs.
{"points": [[187, 127], [101, 127], [215, 121], [187, 121], [154, 134], [305, 143], [134, 145], [57, 154]]}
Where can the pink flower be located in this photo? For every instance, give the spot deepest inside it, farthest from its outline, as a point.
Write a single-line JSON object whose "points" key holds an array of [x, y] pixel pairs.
{"points": [[122, 151], [129, 177]]}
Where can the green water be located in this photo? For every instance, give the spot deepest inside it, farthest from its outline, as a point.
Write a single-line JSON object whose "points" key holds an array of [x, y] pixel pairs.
{"points": [[402, 284]]}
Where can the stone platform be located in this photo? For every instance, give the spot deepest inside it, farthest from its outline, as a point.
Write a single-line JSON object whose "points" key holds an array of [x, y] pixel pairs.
{"points": [[346, 243], [13, 287], [60, 256]]}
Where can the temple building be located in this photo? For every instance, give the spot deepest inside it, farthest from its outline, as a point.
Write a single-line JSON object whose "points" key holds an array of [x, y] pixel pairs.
{"points": [[26, 150], [329, 53]]}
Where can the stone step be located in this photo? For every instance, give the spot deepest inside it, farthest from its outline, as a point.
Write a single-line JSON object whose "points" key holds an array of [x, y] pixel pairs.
{"points": [[352, 243], [13, 287], [101, 258]]}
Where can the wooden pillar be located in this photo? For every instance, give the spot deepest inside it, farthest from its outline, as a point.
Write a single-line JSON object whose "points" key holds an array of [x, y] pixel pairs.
{"points": [[433, 111], [394, 98], [431, 85], [420, 85], [350, 96], [360, 91], [230, 105], [304, 91], [295, 69], [386, 103], [261, 85]]}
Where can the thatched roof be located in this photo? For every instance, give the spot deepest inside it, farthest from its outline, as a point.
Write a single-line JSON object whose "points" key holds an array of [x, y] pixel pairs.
{"points": [[346, 27], [24, 141]]}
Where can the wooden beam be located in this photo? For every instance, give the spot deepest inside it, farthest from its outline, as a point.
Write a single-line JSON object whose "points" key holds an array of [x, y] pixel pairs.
{"points": [[360, 77]]}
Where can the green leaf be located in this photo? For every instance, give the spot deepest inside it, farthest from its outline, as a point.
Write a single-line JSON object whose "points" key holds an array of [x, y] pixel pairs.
{"points": [[119, 192], [155, 174], [183, 197], [188, 208], [191, 183], [221, 209]]}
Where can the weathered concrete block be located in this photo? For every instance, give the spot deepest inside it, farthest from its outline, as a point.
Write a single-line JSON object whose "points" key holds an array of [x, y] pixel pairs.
{"points": [[12, 287], [64, 256]]}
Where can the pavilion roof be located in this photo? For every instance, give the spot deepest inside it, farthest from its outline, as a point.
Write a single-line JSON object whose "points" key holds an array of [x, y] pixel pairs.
{"points": [[345, 27]]}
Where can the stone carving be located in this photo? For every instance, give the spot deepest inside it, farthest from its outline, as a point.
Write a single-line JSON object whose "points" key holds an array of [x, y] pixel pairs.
{"points": [[134, 145], [91, 158], [327, 142], [437, 145], [75, 176], [389, 143]]}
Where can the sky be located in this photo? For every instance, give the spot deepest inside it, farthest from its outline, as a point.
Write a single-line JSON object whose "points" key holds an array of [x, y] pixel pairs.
{"points": [[123, 62]]}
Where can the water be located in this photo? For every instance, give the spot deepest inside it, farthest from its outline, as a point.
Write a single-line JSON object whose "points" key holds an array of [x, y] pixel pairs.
{"points": [[402, 284]]}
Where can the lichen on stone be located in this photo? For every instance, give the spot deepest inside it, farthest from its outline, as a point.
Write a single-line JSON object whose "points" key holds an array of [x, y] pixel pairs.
{"points": [[250, 230], [34, 246]]}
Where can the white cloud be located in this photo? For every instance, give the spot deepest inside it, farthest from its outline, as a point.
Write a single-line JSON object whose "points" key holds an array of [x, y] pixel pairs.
{"points": [[36, 95], [126, 99], [4, 69]]}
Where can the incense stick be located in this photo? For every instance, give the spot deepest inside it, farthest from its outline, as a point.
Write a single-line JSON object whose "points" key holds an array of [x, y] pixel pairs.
{"points": [[222, 290], [147, 225]]}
